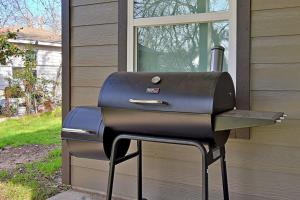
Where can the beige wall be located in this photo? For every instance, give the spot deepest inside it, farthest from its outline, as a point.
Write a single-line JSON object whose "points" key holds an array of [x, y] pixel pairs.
{"points": [[265, 167], [94, 33]]}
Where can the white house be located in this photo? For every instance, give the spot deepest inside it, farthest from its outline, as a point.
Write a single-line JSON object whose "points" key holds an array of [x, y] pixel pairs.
{"points": [[48, 53]]}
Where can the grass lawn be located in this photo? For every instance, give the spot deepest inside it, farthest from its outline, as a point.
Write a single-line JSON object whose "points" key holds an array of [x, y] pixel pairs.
{"points": [[36, 180], [32, 181], [40, 129]]}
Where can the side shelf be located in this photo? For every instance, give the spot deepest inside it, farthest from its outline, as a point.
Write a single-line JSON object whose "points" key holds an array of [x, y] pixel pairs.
{"points": [[245, 119]]}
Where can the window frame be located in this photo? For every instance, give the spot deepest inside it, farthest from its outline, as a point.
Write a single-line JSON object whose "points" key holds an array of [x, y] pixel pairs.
{"points": [[133, 24]]}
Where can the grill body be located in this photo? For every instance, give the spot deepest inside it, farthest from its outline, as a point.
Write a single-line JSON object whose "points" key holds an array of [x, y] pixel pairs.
{"points": [[179, 105]]}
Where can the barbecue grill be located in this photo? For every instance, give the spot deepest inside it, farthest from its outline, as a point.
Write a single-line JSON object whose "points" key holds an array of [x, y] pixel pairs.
{"points": [[194, 109]]}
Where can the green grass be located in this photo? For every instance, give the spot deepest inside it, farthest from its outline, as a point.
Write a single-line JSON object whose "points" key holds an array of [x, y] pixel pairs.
{"points": [[33, 181], [53, 164], [37, 129]]}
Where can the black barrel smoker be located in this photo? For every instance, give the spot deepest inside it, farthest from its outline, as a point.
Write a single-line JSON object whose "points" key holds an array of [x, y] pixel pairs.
{"points": [[196, 109]]}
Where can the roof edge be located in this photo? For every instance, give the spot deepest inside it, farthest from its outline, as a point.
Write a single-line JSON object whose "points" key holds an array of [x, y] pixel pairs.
{"points": [[36, 42]]}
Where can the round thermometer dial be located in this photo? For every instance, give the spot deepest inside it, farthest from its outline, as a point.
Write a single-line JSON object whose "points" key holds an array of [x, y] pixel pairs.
{"points": [[155, 80]]}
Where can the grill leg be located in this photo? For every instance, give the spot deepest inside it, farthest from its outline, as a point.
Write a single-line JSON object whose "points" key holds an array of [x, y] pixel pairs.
{"points": [[112, 165], [204, 172], [224, 176], [205, 181], [139, 171]]}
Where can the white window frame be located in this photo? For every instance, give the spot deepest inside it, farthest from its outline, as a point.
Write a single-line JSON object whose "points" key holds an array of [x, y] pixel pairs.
{"points": [[133, 24]]}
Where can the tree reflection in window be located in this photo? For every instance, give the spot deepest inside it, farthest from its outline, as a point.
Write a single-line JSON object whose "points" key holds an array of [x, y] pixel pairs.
{"points": [[157, 8], [184, 47]]}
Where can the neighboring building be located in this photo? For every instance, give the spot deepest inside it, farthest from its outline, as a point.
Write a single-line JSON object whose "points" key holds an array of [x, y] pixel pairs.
{"points": [[48, 54], [264, 60]]}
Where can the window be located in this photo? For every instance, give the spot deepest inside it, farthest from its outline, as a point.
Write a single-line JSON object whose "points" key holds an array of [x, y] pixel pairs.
{"points": [[177, 35]]}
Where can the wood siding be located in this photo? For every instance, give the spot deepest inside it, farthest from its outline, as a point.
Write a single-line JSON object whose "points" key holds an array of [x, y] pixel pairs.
{"points": [[94, 48], [275, 73], [264, 167]]}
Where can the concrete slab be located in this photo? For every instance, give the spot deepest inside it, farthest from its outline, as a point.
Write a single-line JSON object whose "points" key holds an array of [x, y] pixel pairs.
{"points": [[79, 195], [76, 195]]}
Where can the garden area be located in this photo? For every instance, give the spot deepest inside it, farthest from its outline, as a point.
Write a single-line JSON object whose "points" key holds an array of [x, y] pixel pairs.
{"points": [[30, 114], [30, 157]]}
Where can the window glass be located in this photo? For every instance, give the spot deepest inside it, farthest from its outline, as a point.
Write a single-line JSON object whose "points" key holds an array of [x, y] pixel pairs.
{"points": [[184, 47], [157, 8]]}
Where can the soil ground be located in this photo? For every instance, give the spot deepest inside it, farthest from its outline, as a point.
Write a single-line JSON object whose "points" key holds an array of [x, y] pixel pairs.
{"points": [[11, 157]]}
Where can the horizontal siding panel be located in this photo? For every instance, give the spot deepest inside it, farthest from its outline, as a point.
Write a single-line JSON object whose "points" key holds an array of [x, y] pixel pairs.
{"points": [[276, 22], [90, 76], [49, 73], [152, 189], [262, 157], [249, 182], [250, 155], [53, 66], [84, 96], [285, 101], [245, 154], [279, 49], [95, 35], [275, 76], [95, 56], [87, 2], [155, 168], [271, 4], [48, 57], [186, 161], [95, 14], [286, 134]]}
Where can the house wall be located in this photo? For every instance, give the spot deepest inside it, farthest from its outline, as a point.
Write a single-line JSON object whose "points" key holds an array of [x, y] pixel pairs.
{"points": [[5, 72], [48, 62], [264, 167]]}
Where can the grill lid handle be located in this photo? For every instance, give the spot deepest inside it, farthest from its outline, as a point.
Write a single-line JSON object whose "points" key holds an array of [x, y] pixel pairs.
{"points": [[149, 102]]}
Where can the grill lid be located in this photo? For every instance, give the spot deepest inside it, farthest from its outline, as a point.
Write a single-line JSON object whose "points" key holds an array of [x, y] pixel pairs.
{"points": [[203, 92]]}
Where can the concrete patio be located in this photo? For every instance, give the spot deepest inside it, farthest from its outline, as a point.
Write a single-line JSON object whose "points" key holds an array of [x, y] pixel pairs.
{"points": [[79, 195]]}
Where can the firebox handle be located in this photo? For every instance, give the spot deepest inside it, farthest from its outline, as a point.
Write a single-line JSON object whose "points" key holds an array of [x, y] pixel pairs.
{"points": [[149, 102]]}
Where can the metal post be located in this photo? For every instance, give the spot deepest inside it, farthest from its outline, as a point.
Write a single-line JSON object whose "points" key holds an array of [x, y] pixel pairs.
{"points": [[139, 171], [205, 177], [204, 171], [224, 175], [205, 184], [112, 165]]}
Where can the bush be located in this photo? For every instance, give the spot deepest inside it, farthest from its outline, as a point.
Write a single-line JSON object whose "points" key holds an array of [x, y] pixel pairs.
{"points": [[9, 109]]}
